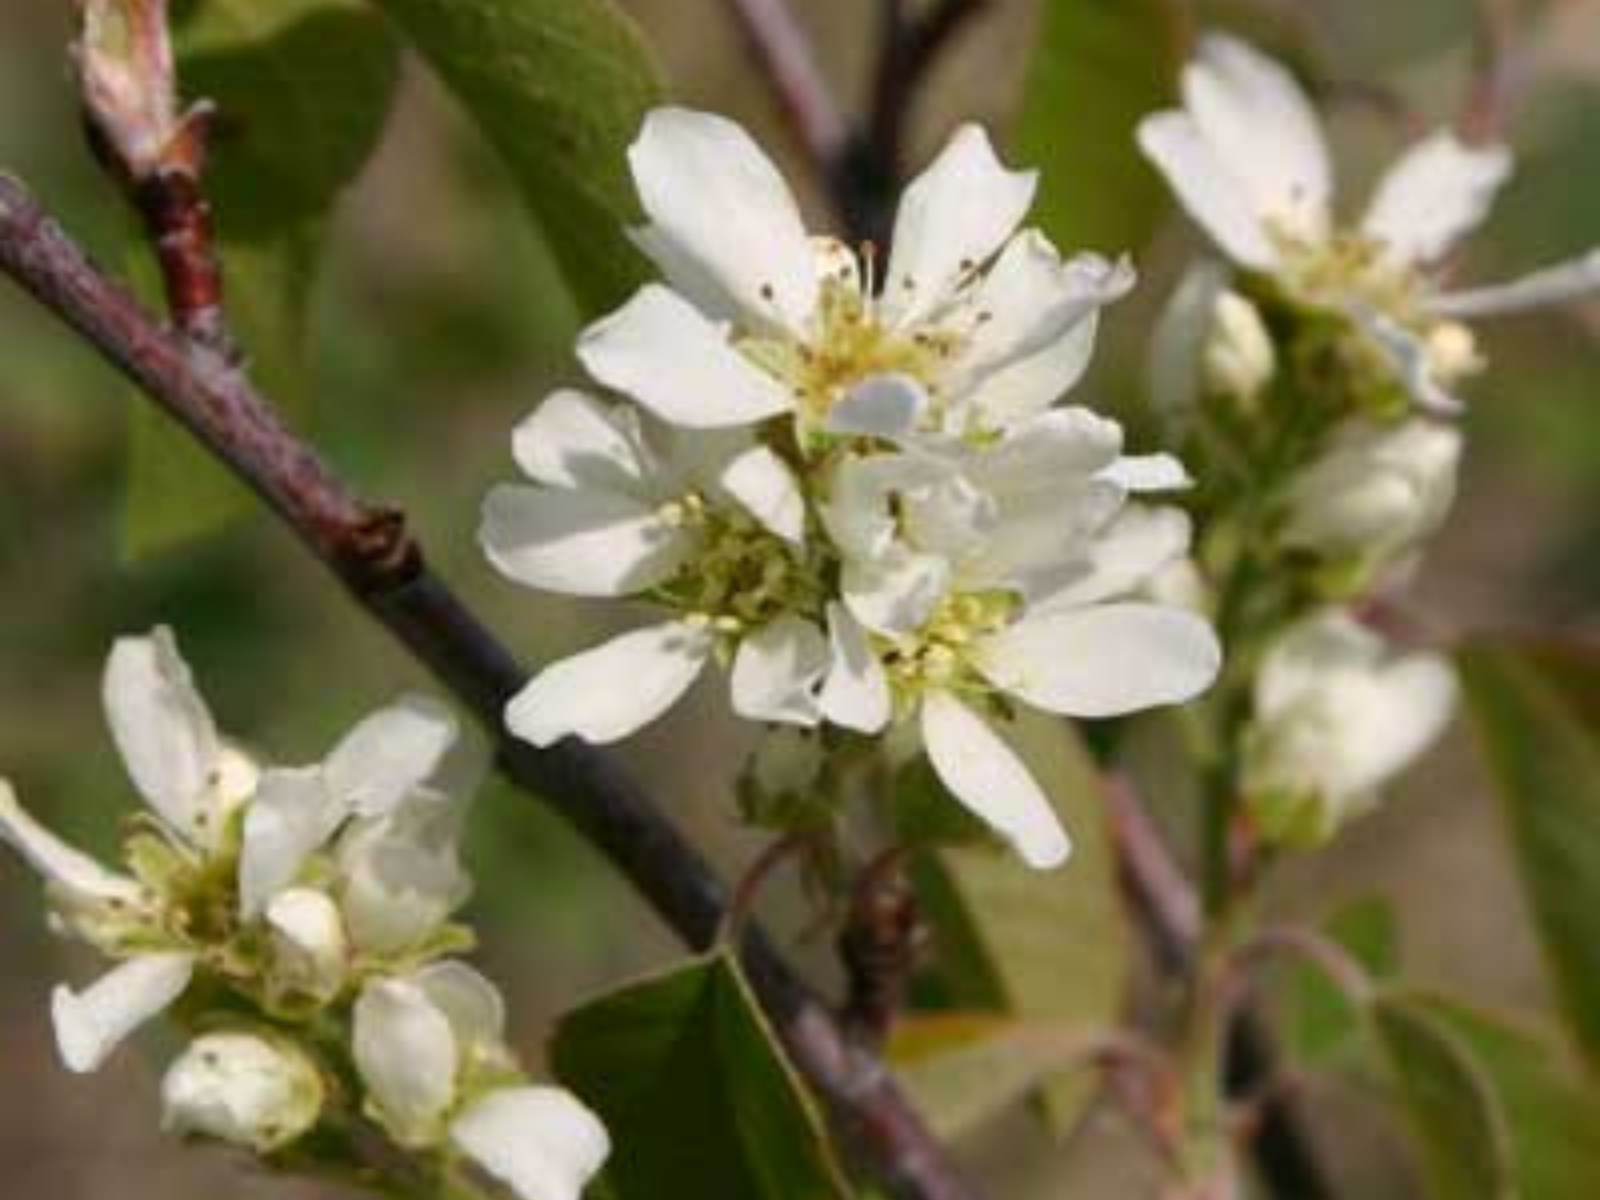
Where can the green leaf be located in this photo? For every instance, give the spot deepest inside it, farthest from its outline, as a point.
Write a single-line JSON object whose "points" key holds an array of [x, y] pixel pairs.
{"points": [[1047, 948], [1099, 66], [303, 89], [559, 87], [1318, 1022], [698, 1098], [1545, 757], [1449, 1100], [964, 1069], [1552, 1114]]}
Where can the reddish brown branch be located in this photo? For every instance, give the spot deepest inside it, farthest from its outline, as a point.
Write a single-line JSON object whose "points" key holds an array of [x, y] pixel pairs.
{"points": [[1170, 913], [881, 941], [909, 47], [786, 57], [384, 571]]}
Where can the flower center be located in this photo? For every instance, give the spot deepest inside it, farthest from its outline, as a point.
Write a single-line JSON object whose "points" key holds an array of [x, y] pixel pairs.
{"points": [[938, 656], [1350, 266], [743, 575], [849, 342]]}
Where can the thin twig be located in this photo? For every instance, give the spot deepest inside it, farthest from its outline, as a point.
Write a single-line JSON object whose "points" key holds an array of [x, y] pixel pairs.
{"points": [[1486, 105], [786, 56], [882, 939], [909, 47], [1166, 902], [383, 568]]}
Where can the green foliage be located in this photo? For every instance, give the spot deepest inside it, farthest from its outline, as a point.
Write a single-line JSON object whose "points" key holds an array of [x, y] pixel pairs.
{"points": [[303, 88], [1047, 950], [966, 1068], [1319, 1022], [1449, 1101], [559, 87], [1552, 1114], [1533, 711], [1098, 67], [698, 1098]]}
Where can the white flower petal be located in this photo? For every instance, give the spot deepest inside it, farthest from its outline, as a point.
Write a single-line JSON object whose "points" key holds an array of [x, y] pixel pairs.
{"points": [[985, 774], [1206, 188], [241, 1089], [1308, 653], [59, 864], [1258, 121], [855, 693], [1030, 385], [662, 352], [1147, 473], [767, 488], [1376, 491], [164, 731], [1103, 661], [309, 946], [1031, 298], [291, 817], [541, 1142], [720, 204], [884, 406], [580, 543], [724, 226], [473, 1006], [407, 1056], [1412, 363], [1338, 714], [607, 693], [1559, 284], [390, 754], [93, 1023], [401, 875], [952, 219], [865, 494], [897, 592], [1177, 345], [1060, 447], [573, 440], [1141, 542], [777, 671], [1412, 708], [1440, 190]]}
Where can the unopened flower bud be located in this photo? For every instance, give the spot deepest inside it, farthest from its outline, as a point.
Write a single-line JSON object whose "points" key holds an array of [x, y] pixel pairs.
{"points": [[1239, 359], [242, 1089], [310, 952], [1452, 352], [1377, 492], [125, 67], [1337, 715]]}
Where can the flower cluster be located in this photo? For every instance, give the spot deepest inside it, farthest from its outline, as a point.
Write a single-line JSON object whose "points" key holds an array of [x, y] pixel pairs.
{"points": [[298, 922], [1313, 381], [1247, 157], [850, 482]]}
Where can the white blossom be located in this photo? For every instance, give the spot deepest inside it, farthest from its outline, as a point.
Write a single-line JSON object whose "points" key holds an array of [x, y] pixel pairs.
{"points": [[1376, 492], [379, 765], [1337, 714], [975, 324], [1009, 570], [430, 1049], [1247, 157], [310, 948], [870, 510], [195, 783], [1238, 359], [243, 1089]]}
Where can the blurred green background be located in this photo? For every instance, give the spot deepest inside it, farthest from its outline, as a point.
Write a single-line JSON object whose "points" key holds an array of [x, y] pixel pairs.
{"points": [[440, 322]]}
